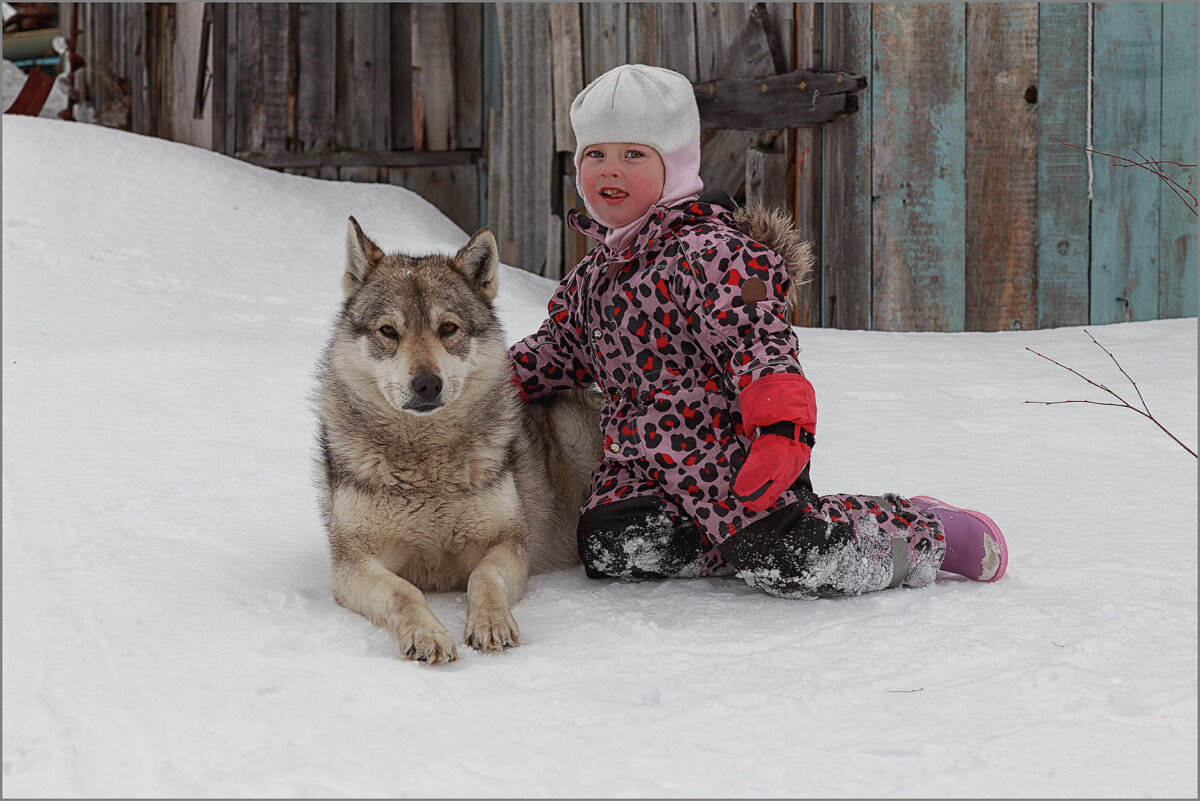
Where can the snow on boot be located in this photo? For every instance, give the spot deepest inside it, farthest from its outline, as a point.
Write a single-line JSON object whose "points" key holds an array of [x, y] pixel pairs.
{"points": [[975, 548]]}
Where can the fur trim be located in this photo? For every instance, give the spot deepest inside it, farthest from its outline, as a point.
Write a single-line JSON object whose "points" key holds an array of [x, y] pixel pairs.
{"points": [[774, 228]]}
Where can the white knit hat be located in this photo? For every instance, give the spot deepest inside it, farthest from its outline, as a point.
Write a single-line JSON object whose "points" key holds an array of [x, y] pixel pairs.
{"points": [[639, 104]]}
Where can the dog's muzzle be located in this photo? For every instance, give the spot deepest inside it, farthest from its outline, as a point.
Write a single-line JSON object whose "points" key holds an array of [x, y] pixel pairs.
{"points": [[428, 389]]}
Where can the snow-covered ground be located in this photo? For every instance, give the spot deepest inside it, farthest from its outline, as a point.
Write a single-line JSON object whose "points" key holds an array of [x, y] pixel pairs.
{"points": [[168, 628]]}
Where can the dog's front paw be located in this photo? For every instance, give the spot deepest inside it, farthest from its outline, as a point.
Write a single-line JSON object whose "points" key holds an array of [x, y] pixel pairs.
{"points": [[429, 643], [491, 630]]}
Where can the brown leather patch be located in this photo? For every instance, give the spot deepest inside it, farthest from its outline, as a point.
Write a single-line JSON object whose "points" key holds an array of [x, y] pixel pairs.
{"points": [[754, 290]]}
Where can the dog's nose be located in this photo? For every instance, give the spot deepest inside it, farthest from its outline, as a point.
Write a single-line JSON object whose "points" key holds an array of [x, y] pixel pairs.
{"points": [[427, 385]]}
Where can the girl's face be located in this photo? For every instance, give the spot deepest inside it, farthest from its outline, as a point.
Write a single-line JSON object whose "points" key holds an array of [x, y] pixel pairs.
{"points": [[621, 181]]}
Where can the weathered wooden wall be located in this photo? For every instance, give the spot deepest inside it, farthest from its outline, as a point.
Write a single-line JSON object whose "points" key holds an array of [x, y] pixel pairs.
{"points": [[946, 203]]}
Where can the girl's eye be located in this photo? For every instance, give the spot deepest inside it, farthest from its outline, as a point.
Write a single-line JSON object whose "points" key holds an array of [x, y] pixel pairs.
{"points": [[446, 329], [635, 154], [388, 332], [594, 154]]}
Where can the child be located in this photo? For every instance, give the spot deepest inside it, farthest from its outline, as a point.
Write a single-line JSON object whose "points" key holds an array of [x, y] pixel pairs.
{"points": [[708, 419]]}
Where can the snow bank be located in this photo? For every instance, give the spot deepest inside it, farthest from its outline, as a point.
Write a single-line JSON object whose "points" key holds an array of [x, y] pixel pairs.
{"points": [[167, 624]]}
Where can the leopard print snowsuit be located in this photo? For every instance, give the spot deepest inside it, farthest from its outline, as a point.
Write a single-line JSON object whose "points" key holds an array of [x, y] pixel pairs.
{"points": [[671, 329]]}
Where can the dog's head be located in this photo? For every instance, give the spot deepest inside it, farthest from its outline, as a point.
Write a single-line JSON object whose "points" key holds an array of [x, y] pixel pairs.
{"points": [[414, 328]]}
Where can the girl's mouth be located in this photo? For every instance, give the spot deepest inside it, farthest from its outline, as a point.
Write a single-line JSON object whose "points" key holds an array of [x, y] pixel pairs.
{"points": [[613, 194]]}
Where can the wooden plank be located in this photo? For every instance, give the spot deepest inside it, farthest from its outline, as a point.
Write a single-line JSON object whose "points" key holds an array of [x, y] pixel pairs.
{"points": [[524, 35], [363, 84], [566, 42], [605, 38], [642, 33], [136, 55], [796, 99], [493, 178], [763, 169], [719, 26], [676, 48], [845, 265], [220, 76], [248, 66], [492, 99], [316, 99], [271, 117], [1177, 260], [401, 66], [468, 75], [451, 189], [805, 145], [1064, 227], [379, 84], [918, 130], [434, 84], [1002, 48], [1126, 114]]}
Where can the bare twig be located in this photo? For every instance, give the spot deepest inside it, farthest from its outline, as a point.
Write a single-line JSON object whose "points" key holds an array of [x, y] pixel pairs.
{"points": [[1144, 411], [1152, 166]]}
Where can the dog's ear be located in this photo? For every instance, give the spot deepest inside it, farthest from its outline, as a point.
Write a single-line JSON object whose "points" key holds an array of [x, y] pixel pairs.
{"points": [[362, 256], [478, 261]]}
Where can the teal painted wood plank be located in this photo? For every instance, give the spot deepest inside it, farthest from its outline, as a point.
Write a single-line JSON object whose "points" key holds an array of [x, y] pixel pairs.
{"points": [[846, 214], [1064, 211], [1177, 255], [1126, 114], [919, 166]]}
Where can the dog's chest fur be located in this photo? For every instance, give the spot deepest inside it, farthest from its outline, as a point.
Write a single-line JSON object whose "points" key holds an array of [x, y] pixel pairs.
{"points": [[427, 508]]}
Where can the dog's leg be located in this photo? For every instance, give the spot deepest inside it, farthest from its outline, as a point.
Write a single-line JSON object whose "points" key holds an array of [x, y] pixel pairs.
{"points": [[496, 583], [365, 585]]}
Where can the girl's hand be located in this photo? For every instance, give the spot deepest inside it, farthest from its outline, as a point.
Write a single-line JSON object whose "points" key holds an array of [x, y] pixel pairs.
{"points": [[773, 464]]}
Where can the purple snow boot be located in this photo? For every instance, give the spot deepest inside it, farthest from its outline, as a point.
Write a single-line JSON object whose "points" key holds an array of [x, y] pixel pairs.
{"points": [[975, 548]]}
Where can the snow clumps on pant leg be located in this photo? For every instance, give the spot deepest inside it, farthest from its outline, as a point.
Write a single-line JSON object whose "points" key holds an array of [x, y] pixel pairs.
{"points": [[838, 545]]}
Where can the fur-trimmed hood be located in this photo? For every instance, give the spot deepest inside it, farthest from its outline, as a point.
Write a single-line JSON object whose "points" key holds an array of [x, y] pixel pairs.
{"points": [[774, 228]]}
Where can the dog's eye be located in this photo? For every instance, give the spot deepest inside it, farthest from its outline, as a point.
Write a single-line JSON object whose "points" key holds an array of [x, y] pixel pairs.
{"points": [[389, 332], [446, 329]]}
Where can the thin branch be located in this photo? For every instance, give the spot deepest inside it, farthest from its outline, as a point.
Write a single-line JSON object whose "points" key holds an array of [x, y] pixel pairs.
{"points": [[1122, 369], [1151, 166], [1123, 403]]}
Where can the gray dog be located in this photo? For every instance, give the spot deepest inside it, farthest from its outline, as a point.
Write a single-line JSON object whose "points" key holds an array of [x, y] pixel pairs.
{"points": [[435, 476]]}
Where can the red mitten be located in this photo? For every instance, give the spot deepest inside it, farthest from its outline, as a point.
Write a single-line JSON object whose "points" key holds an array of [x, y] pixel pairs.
{"points": [[781, 410]]}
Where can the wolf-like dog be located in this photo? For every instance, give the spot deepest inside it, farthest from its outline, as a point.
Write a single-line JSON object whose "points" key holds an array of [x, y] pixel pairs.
{"points": [[434, 475]]}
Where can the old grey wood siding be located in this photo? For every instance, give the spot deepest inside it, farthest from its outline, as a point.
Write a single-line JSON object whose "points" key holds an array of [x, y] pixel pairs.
{"points": [[948, 202]]}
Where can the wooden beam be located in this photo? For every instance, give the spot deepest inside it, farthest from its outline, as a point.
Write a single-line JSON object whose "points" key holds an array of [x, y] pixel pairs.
{"points": [[362, 158], [798, 99]]}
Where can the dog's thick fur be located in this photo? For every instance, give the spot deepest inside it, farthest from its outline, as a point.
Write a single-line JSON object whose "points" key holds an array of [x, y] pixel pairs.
{"points": [[435, 476]]}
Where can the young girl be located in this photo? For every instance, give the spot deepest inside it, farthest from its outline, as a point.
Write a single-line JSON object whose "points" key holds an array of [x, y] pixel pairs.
{"points": [[708, 419]]}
